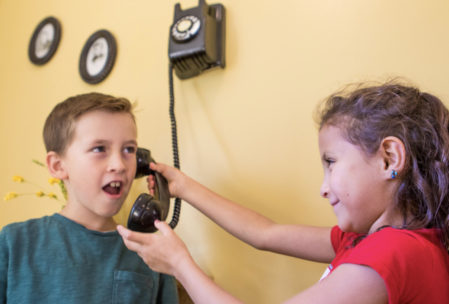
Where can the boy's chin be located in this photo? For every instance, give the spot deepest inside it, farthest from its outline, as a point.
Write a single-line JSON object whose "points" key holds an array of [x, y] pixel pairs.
{"points": [[113, 207], [110, 213]]}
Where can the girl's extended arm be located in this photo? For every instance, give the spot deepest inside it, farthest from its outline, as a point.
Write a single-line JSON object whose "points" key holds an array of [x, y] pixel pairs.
{"points": [[312, 243], [166, 253]]}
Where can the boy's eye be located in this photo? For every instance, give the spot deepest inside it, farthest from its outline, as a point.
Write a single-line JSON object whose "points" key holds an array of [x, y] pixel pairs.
{"points": [[130, 149], [98, 149]]}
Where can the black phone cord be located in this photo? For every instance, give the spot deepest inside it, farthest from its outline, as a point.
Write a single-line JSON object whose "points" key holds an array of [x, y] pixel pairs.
{"points": [[174, 134]]}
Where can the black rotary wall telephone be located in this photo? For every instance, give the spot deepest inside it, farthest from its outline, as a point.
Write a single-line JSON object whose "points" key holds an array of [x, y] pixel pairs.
{"points": [[196, 43], [197, 39]]}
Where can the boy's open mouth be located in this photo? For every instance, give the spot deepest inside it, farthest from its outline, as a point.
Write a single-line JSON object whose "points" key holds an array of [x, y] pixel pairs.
{"points": [[113, 188]]}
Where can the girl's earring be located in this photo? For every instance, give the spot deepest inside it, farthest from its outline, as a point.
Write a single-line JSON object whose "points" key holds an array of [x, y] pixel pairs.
{"points": [[394, 174]]}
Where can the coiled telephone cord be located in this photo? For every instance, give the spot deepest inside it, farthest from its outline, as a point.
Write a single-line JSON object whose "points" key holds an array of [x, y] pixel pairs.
{"points": [[174, 134]]}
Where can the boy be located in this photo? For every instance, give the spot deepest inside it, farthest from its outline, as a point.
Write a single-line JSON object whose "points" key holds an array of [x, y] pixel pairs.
{"points": [[76, 256]]}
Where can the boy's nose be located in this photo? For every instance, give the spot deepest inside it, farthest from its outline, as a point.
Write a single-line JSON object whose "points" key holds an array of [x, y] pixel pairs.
{"points": [[116, 163]]}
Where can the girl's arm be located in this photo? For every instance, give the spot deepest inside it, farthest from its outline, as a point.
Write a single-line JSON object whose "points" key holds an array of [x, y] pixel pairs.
{"points": [[312, 243], [349, 283], [166, 253]]}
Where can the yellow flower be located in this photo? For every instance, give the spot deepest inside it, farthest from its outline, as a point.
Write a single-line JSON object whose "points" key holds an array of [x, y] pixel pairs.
{"points": [[39, 191], [10, 195], [18, 179], [38, 163], [53, 180], [52, 195]]}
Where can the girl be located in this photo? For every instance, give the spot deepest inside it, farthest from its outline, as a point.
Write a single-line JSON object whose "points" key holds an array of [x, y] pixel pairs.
{"points": [[385, 155]]}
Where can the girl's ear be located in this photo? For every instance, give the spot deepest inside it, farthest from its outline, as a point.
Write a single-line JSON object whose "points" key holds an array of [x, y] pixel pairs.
{"points": [[55, 165], [393, 154]]}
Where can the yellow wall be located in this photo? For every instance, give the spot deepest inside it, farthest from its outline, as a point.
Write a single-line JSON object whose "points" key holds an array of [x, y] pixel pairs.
{"points": [[246, 131]]}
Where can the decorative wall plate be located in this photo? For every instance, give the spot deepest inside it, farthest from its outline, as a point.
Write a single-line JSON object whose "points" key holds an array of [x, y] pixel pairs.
{"points": [[45, 41], [97, 57]]}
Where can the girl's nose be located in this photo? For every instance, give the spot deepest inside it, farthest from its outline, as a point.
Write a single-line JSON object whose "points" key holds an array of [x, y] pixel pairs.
{"points": [[324, 190]]}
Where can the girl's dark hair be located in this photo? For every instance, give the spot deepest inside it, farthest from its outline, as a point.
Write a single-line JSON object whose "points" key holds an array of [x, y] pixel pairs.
{"points": [[367, 115]]}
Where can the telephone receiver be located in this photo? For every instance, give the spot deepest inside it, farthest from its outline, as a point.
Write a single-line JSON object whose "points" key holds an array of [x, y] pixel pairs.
{"points": [[146, 208]]}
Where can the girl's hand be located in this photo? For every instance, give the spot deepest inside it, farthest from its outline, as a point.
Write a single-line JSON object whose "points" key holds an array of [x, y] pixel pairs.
{"points": [[175, 178], [163, 252]]}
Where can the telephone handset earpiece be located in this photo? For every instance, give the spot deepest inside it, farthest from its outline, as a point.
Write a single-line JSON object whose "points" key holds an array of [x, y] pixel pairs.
{"points": [[146, 208]]}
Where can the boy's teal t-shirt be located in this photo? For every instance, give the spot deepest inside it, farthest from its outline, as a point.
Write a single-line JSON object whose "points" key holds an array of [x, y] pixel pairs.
{"points": [[55, 260]]}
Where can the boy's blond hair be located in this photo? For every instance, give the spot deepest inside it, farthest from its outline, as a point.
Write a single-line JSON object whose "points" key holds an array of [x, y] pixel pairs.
{"points": [[60, 124]]}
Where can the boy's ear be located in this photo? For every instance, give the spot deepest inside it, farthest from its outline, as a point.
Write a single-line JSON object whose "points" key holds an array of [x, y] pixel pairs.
{"points": [[393, 154], [55, 165]]}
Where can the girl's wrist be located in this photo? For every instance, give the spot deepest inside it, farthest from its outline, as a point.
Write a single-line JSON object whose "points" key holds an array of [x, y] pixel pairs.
{"points": [[185, 187], [184, 268]]}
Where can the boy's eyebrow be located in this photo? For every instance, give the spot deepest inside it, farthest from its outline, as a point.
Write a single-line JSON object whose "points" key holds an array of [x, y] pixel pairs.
{"points": [[98, 141], [105, 141], [133, 142]]}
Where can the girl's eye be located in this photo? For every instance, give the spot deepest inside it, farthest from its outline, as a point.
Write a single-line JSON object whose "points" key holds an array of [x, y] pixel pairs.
{"points": [[99, 149], [329, 162]]}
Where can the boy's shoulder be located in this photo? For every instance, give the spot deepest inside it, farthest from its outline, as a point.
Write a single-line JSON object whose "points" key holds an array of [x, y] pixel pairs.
{"points": [[26, 231], [30, 224], [27, 224]]}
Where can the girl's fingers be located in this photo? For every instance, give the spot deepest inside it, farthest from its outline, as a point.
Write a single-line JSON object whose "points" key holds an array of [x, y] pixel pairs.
{"points": [[133, 240]]}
